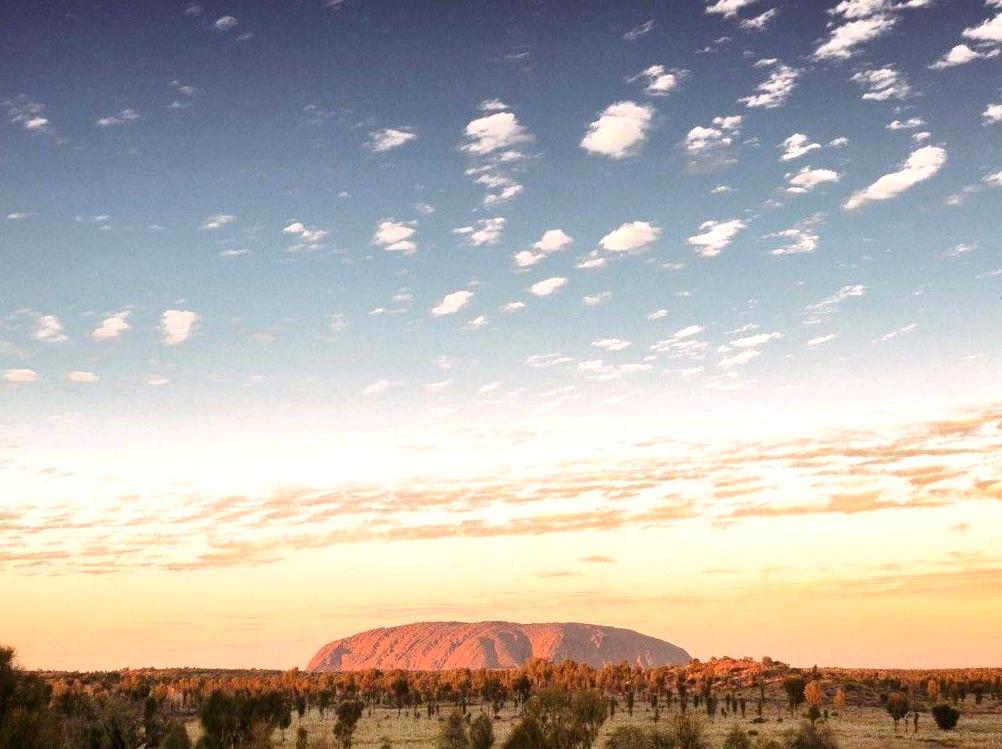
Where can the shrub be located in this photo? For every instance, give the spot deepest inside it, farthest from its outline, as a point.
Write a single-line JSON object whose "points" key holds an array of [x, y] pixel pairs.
{"points": [[176, 738], [945, 716], [737, 738], [481, 733], [811, 736], [453, 733], [686, 732]]}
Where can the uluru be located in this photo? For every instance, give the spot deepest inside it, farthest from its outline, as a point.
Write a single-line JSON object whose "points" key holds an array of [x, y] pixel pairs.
{"points": [[437, 646]]}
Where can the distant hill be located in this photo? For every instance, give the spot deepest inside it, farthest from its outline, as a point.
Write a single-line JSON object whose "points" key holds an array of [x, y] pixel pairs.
{"points": [[435, 646]]}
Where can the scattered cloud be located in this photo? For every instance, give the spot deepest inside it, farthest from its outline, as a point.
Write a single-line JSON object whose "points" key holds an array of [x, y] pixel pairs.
{"points": [[992, 114], [82, 378], [658, 80], [845, 40], [452, 303], [638, 31], [713, 145], [548, 286], [217, 221], [961, 54], [225, 23], [177, 325], [112, 327], [20, 376], [714, 236], [881, 84], [396, 236], [808, 178], [921, 165], [485, 231], [49, 329], [797, 145], [125, 117], [619, 131], [775, 90], [387, 139], [631, 236], [759, 22]]}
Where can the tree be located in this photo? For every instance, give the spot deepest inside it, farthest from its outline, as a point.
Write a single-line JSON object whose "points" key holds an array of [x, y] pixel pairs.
{"points": [[481, 733], [453, 733], [810, 736], [794, 687], [839, 700], [348, 714], [897, 707], [932, 689], [737, 738], [176, 737], [26, 722], [686, 732], [946, 717]]}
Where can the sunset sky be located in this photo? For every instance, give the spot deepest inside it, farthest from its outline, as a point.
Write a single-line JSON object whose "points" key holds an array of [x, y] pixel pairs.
{"points": [[319, 316]]}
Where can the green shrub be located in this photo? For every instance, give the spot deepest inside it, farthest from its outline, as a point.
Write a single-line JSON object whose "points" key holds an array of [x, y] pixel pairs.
{"points": [[946, 717], [810, 736]]}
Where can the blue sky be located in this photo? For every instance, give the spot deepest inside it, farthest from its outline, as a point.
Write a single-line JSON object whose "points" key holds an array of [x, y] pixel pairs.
{"points": [[247, 245]]}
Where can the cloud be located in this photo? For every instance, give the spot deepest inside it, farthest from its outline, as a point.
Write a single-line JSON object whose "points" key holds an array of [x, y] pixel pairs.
{"points": [[881, 84], [594, 300], [798, 240], [711, 145], [511, 307], [20, 376], [808, 178], [658, 80], [176, 325], [28, 114], [494, 132], [611, 344], [756, 340], [638, 31], [829, 304], [845, 40], [820, 340], [775, 90], [225, 23], [909, 124], [619, 130], [485, 231], [112, 327], [309, 238], [387, 139], [739, 359], [921, 165], [989, 31], [759, 22], [553, 240], [125, 117], [633, 235], [380, 386], [797, 145], [452, 303], [217, 221], [396, 236], [493, 143], [961, 54], [81, 377], [714, 236], [49, 329], [548, 286], [994, 179], [992, 114], [598, 559], [727, 8], [898, 332]]}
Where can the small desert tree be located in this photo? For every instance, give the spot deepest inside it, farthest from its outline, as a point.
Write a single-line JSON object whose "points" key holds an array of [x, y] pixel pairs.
{"points": [[794, 687], [810, 736], [897, 707], [813, 694], [176, 737], [945, 716], [932, 689], [348, 714], [453, 733], [839, 700], [686, 732], [481, 732]]}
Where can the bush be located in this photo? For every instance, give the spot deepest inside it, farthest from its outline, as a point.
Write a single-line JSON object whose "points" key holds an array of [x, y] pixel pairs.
{"points": [[737, 738], [945, 716], [638, 737], [811, 736], [176, 738], [481, 732], [686, 732]]}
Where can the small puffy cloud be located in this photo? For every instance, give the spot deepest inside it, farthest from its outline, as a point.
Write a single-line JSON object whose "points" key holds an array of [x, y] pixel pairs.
{"points": [[775, 90], [553, 240], [485, 231], [217, 221], [759, 22], [638, 31], [619, 130], [658, 314], [176, 325], [961, 54], [909, 124], [611, 344], [846, 39], [112, 327], [840, 142], [739, 359], [494, 132], [478, 322], [20, 376], [633, 235], [714, 236], [797, 240], [594, 300], [992, 114], [28, 114], [49, 329], [727, 8], [828, 305], [387, 139], [309, 237], [452, 303], [820, 340], [712, 144], [989, 31], [994, 179], [83, 378], [125, 117], [808, 178], [225, 23], [548, 286], [396, 236], [658, 80], [921, 165], [512, 307], [157, 380], [797, 145], [881, 84]]}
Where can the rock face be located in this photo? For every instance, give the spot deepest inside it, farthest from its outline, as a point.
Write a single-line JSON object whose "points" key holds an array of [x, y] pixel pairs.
{"points": [[437, 646]]}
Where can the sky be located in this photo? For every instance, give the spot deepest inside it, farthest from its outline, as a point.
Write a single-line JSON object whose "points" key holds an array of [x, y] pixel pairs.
{"points": [[321, 316]]}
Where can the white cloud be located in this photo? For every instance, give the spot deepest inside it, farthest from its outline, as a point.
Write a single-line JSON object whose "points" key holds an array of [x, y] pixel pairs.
{"points": [[727, 8], [807, 179], [922, 164], [594, 300], [379, 387], [632, 235], [992, 114], [994, 179], [989, 31], [49, 329], [739, 359], [754, 341], [799, 240], [638, 31], [658, 314], [396, 236], [112, 327], [759, 22], [881, 84], [510, 307], [157, 380], [125, 117], [775, 90], [20, 376], [218, 221], [478, 322], [494, 132], [28, 114], [548, 286], [712, 144], [176, 325], [82, 377], [452, 303], [895, 333], [611, 344], [658, 80], [226, 23], [309, 238], [554, 240], [619, 130], [714, 236], [845, 40], [485, 231], [961, 54], [797, 145], [389, 138], [828, 305], [820, 340], [909, 124]]}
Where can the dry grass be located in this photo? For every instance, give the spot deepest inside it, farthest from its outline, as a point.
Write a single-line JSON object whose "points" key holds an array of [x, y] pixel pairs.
{"points": [[862, 728]]}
